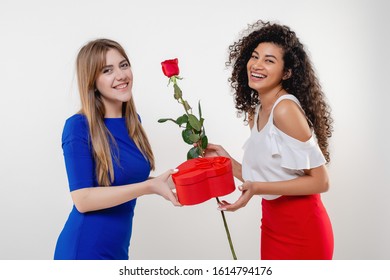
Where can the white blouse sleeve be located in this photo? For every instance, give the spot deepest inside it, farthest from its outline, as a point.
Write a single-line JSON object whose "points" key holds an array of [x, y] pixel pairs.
{"points": [[295, 154]]}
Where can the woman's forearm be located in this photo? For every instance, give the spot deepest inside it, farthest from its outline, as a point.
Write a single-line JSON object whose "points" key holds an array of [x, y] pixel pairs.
{"points": [[237, 169], [97, 198], [314, 181]]}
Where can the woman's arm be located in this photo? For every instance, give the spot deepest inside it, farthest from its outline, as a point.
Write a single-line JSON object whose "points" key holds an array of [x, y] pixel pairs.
{"points": [[97, 198], [214, 150], [314, 181]]}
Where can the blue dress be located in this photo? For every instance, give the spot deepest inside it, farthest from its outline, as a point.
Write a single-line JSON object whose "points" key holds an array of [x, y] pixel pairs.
{"points": [[102, 234]]}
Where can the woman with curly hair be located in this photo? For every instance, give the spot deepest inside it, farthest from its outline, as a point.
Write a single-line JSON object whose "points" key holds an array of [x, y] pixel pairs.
{"points": [[277, 90]]}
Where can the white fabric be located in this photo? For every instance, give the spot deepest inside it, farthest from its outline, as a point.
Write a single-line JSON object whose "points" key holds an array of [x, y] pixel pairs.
{"points": [[271, 155]]}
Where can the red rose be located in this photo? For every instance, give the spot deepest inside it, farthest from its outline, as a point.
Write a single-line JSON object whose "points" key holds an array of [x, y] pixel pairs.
{"points": [[170, 67]]}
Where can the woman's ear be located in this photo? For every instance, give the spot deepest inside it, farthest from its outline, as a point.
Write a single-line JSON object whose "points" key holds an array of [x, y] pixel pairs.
{"points": [[287, 74]]}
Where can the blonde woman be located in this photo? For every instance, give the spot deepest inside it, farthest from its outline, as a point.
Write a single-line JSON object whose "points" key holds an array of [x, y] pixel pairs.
{"points": [[108, 158]]}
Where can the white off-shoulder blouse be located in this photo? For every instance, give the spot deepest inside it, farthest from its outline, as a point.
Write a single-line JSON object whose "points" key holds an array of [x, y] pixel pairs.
{"points": [[271, 155]]}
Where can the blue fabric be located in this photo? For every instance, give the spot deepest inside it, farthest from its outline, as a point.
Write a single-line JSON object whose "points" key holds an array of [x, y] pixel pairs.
{"points": [[103, 234]]}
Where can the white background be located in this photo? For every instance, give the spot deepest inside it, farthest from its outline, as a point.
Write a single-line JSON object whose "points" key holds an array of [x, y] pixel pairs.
{"points": [[348, 42]]}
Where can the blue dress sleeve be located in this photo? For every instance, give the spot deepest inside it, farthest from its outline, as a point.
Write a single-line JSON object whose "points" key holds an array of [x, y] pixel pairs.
{"points": [[77, 151]]}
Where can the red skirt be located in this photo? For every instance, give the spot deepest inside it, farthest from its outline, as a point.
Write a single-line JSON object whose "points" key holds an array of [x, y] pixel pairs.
{"points": [[296, 228]]}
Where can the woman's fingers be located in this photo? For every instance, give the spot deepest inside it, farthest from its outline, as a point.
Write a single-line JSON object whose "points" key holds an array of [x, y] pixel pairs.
{"points": [[173, 198]]}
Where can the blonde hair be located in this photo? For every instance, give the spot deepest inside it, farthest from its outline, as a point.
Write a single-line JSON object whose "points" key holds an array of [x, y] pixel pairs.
{"points": [[90, 61]]}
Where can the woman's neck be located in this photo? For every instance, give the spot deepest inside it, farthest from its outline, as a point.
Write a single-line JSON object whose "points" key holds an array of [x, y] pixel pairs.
{"points": [[112, 110], [268, 100]]}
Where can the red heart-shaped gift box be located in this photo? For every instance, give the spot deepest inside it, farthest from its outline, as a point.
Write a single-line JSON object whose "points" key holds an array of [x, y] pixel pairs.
{"points": [[200, 179]]}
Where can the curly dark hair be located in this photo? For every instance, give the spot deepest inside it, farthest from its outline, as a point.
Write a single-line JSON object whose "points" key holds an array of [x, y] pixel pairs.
{"points": [[303, 83]]}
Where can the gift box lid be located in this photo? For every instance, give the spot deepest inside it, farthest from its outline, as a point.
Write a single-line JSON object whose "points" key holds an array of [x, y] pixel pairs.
{"points": [[199, 169], [200, 179]]}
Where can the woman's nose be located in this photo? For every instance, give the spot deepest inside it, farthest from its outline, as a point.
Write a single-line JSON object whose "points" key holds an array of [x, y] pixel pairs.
{"points": [[120, 74], [258, 64]]}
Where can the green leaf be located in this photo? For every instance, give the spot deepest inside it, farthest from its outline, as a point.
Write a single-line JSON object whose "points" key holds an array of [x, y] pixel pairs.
{"points": [[182, 119], [194, 122], [200, 110], [168, 119], [194, 138], [186, 135], [193, 153], [177, 92], [205, 142]]}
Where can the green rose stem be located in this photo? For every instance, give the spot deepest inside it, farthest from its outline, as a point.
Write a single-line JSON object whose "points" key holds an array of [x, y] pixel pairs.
{"points": [[227, 232], [179, 97]]}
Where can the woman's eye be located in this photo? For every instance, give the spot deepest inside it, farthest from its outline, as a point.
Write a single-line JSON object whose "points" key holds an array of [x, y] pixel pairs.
{"points": [[106, 71], [125, 65]]}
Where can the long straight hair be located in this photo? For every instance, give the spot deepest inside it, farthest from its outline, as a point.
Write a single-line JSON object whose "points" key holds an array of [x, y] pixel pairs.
{"points": [[90, 61]]}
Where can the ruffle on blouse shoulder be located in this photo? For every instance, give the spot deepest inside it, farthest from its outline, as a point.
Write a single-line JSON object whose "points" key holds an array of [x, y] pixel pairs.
{"points": [[295, 154]]}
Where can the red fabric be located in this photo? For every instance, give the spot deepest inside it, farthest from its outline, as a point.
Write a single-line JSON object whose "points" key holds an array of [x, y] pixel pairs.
{"points": [[200, 179], [296, 228]]}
